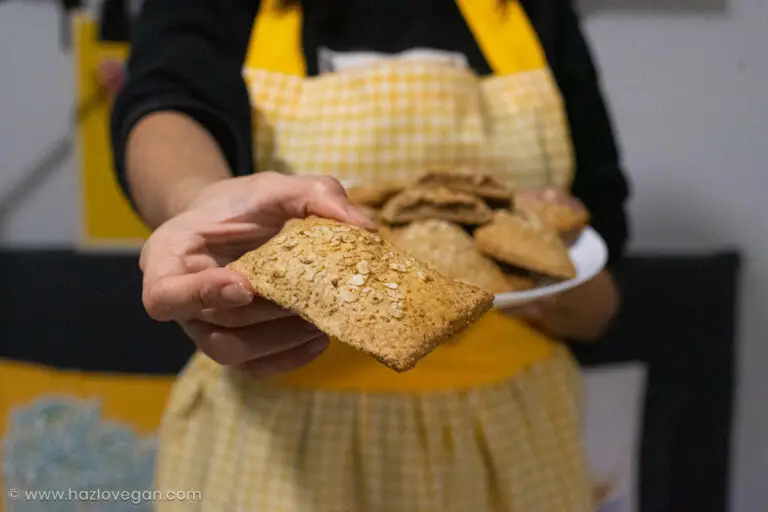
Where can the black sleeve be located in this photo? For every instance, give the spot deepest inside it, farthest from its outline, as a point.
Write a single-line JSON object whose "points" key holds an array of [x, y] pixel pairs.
{"points": [[599, 181], [188, 58]]}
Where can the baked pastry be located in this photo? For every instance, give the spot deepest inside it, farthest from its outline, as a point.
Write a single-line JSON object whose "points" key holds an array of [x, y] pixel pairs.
{"points": [[422, 203], [523, 241], [484, 185], [563, 212], [362, 290], [450, 250], [373, 196]]}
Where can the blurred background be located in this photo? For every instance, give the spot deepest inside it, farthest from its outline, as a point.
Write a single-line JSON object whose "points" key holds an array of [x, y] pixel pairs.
{"points": [[676, 407]]}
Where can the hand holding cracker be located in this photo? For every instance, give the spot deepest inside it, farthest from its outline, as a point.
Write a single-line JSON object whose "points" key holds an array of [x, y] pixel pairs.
{"points": [[185, 279]]}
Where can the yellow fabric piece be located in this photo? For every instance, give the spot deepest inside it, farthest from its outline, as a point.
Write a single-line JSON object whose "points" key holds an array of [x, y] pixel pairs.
{"points": [[99, 189], [134, 399], [509, 447], [504, 34], [489, 352], [391, 120], [276, 25]]}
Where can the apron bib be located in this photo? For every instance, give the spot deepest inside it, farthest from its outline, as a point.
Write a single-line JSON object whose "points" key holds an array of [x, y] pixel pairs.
{"points": [[388, 121]]}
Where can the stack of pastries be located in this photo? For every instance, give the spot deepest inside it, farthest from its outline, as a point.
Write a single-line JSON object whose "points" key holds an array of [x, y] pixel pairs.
{"points": [[472, 227]]}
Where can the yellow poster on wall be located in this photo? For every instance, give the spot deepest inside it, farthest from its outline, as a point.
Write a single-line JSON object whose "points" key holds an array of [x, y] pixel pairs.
{"points": [[107, 220]]}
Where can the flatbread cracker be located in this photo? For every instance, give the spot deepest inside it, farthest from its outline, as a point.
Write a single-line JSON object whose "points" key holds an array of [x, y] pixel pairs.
{"points": [[362, 290], [567, 215], [373, 196], [523, 241], [495, 193], [450, 250], [422, 203]]}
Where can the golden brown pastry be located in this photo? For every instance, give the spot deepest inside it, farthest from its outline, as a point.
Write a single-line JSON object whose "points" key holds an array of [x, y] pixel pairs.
{"points": [[495, 193], [422, 203], [523, 241], [362, 290], [560, 210], [373, 196], [450, 250]]}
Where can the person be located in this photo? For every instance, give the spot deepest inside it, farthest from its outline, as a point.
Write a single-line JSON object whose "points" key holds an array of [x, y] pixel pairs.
{"points": [[237, 115]]}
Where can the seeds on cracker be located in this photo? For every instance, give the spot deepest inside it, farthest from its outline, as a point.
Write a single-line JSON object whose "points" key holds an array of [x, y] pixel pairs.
{"points": [[428, 308], [349, 294]]}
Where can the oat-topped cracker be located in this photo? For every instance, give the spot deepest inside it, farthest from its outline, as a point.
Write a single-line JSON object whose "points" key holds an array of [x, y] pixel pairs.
{"points": [[362, 290]]}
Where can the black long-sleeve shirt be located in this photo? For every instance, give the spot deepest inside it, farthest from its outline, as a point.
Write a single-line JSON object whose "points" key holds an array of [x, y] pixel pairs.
{"points": [[189, 58]]}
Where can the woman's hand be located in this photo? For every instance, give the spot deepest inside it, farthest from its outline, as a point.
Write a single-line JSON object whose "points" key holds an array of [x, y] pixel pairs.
{"points": [[185, 279], [581, 314], [554, 196]]}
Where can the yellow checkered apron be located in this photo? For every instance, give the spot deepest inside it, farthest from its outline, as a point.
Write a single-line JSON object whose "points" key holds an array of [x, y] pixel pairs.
{"points": [[489, 423]]}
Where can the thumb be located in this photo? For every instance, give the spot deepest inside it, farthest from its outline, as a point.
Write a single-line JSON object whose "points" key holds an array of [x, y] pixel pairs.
{"points": [[302, 196], [180, 296], [531, 312]]}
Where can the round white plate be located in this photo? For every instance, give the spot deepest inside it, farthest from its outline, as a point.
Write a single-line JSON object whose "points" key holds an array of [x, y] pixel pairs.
{"points": [[589, 255]]}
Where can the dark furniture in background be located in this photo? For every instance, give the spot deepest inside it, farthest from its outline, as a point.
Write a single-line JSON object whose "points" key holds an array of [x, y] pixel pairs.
{"points": [[75, 311]]}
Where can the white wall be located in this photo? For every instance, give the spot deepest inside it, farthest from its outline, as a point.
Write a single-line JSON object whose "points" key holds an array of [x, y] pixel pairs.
{"points": [[36, 90], [688, 85], [689, 92]]}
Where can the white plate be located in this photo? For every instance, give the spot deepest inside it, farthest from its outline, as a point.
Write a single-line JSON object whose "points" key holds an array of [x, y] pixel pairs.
{"points": [[589, 255]]}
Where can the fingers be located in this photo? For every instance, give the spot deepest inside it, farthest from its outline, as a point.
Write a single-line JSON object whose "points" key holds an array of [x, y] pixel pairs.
{"points": [[533, 312], [556, 195], [327, 198], [178, 297], [258, 311], [236, 346], [178, 287], [286, 361], [525, 312]]}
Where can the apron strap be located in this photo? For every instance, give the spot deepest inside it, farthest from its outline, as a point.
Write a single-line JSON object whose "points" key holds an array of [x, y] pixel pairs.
{"points": [[503, 33], [275, 43]]}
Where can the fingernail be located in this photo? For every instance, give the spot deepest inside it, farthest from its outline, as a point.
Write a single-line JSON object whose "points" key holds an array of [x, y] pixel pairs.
{"points": [[236, 293], [317, 345], [358, 217]]}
